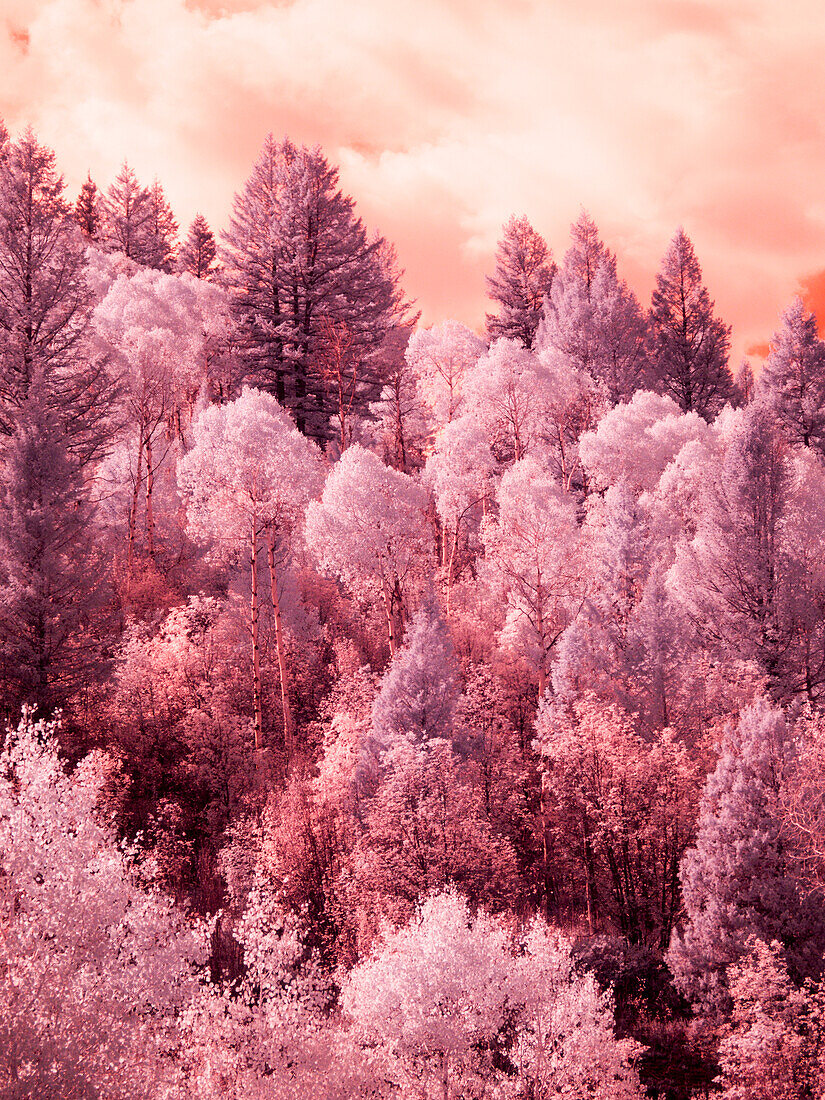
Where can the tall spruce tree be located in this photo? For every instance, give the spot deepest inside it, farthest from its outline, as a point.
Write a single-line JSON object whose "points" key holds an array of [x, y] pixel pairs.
{"points": [[87, 209], [793, 379], [198, 251], [690, 346], [299, 262], [128, 212], [161, 231], [55, 398], [523, 277]]}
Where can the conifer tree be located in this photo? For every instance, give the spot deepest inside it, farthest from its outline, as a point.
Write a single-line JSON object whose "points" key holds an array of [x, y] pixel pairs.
{"points": [[87, 209], [689, 346], [793, 378], [128, 216], [299, 262], [161, 231], [55, 419], [198, 251], [523, 277]]}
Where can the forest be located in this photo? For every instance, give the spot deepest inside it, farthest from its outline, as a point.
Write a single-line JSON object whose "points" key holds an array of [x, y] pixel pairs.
{"points": [[393, 711]]}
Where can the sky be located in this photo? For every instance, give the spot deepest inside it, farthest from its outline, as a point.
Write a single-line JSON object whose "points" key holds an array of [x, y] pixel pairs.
{"points": [[447, 117]]}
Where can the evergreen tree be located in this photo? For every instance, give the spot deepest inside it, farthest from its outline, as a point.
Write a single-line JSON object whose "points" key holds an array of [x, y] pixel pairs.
{"points": [[45, 303], [523, 277], [48, 562], [161, 231], [689, 346], [197, 253], [128, 211], [55, 411], [87, 209], [299, 263], [793, 378]]}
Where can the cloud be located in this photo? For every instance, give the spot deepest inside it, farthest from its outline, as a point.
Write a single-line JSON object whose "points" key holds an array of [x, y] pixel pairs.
{"points": [[448, 115]]}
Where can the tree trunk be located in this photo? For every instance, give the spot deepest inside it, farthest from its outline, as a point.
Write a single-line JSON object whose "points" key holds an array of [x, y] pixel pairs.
{"points": [[150, 511], [451, 566], [130, 552], [279, 642], [256, 654], [390, 618]]}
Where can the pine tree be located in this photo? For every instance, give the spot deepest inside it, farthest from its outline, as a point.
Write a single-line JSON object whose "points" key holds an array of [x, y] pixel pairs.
{"points": [[128, 214], [523, 277], [45, 303], [161, 231], [198, 251], [689, 346], [55, 412], [299, 262], [87, 209], [793, 378]]}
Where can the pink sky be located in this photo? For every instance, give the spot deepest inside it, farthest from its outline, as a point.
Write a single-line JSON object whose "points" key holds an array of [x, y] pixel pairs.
{"points": [[447, 117]]}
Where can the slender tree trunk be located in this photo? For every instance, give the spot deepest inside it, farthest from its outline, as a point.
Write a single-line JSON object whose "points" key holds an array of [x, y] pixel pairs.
{"points": [[256, 653], [390, 617], [279, 643], [150, 511], [590, 875], [130, 552], [451, 566]]}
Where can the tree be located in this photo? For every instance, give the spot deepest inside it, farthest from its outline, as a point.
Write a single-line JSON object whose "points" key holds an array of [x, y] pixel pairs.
{"points": [[87, 212], [750, 576], [49, 564], [157, 328], [773, 1047], [435, 991], [793, 378], [297, 258], [738, 880], [522, 280], [198, 251], [94, 967], [637, 440], [622, 808], [161, 231], [506, 393], [459, 1006], [128, 216], [689, 346], [458, 470], [56, 420], [530, 553], [45, 304], [441, 356], [369, 528], [249, 476], [592, 320], [401, 427], [418, 694]]}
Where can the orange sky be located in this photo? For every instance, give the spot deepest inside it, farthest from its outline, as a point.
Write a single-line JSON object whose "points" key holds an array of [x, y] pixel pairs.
{"points": [[446, 117]]}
